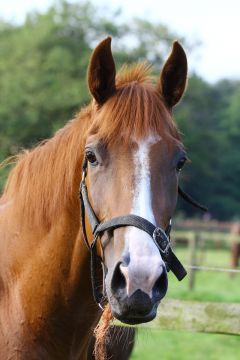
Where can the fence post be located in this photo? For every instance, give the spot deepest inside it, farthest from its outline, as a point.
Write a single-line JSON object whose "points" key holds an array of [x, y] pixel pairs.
{"points": [[193, 259], [201, 248]]}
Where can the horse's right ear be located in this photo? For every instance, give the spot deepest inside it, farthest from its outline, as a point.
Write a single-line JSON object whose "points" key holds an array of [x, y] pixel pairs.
{"points": [[174, 76], [102, 72]]}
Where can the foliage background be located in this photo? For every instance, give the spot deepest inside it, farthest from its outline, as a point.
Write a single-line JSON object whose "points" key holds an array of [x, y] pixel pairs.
{"points": [[43, 67]]}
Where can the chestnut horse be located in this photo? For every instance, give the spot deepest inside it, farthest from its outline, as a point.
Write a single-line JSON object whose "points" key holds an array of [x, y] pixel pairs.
{"points": [[134, 155]]}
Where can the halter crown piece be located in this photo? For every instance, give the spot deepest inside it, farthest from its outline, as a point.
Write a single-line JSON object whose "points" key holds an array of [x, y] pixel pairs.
{"points": [[160, 237]]}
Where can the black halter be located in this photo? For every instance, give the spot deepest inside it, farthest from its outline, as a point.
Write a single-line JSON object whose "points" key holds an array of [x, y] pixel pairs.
{"points": [[160, 237]]}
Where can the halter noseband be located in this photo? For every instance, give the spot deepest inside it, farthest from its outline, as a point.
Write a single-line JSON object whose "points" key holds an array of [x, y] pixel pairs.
{"points": [[160, 237]]}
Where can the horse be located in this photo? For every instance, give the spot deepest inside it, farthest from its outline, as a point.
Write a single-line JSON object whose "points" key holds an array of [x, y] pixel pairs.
{"points": [[126, 149]]}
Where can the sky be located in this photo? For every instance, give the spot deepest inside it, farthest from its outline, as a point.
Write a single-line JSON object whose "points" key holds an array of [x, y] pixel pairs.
{"points": [[215, 23]]}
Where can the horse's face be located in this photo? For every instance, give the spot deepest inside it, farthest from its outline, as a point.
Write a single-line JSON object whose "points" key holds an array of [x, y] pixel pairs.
{"points": [[136, 176], [139, 178]]}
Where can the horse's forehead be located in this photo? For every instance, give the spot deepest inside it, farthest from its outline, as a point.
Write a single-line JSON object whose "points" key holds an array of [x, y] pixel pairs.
{"points": [[146, 142], [137, 150]]}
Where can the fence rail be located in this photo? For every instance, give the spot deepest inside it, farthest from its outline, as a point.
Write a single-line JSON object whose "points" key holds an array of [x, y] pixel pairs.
{"points": [[205, 235], [212, 268], [207, 317]]}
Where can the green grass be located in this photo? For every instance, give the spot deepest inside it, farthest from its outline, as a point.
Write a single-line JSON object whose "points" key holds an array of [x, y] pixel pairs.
{"points": [[209, 286], [173, 345]]}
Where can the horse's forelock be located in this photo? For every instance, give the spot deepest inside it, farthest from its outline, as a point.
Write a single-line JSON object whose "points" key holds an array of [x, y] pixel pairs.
{"points": [[135, 110]]}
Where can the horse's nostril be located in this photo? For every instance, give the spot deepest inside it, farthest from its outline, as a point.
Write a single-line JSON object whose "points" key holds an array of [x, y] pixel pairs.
{"points": [[161, 285], [118, 282]]}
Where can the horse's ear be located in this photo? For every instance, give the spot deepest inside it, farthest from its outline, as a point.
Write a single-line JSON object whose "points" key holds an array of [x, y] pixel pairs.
{"points": [[174, 76], [102, 72]]}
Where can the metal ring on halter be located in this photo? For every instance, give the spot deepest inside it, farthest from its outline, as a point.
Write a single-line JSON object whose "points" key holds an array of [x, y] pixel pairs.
{"points": [[84, 173], [100, 306]]}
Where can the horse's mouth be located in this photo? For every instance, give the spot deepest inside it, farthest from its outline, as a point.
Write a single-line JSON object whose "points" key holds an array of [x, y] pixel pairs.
{"points": [[134, 315], [132, 318]]}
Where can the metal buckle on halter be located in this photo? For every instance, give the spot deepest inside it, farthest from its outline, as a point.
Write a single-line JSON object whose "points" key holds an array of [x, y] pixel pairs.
{"points": [[162, 241]]}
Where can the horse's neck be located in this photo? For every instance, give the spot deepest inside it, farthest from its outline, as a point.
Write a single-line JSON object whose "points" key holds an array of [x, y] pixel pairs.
{"points": [[51, 288], [45, 288]]}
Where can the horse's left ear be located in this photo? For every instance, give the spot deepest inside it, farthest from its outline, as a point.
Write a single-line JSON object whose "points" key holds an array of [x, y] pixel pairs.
{"points": [[102, 72], [174, 76]]}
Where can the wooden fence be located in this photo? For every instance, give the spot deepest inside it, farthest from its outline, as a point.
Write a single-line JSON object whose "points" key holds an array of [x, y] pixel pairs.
{"points": [[196, 242], [207, 317]]}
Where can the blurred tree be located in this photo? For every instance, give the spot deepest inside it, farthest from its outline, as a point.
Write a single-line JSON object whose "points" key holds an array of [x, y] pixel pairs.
{"points": [[204, 117], [43, 67]]}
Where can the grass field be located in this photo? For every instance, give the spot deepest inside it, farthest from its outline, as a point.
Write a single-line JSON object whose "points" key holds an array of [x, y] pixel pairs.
{"points": [[172, 345], [209, 286]]}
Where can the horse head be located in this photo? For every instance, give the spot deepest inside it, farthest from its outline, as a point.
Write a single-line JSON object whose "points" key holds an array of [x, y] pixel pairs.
{"points": [[134, 155]]}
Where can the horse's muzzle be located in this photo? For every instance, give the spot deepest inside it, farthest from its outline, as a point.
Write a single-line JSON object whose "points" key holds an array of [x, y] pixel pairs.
{"points": [[139, 307]]}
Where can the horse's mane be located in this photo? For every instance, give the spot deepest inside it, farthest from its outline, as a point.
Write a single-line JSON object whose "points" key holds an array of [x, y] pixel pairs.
{"points": [[46, 178]]}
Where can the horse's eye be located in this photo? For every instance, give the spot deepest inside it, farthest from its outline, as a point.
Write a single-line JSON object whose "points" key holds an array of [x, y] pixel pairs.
{"points": [[181, 163], [91, 157]]}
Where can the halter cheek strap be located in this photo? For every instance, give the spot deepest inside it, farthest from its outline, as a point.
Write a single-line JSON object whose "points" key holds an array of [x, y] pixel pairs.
{"points": [[160, 237]]}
